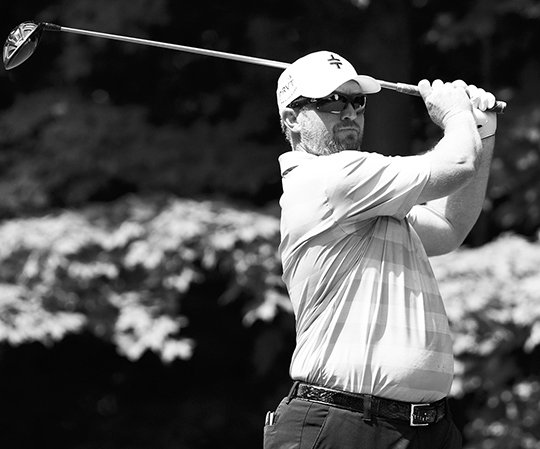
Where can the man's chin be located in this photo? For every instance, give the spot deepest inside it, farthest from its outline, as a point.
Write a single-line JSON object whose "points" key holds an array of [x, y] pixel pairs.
{"points": [[348, 139], [349, 143]]}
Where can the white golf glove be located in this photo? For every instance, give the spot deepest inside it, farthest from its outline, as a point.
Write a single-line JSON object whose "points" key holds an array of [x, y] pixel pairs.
{"points": [[481, 100]]}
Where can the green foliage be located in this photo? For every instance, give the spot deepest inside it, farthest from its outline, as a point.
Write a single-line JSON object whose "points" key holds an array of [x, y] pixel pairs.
{"points": [[514, 190], [122, 270], [61, 149], [89, 119], [493, 302], [496, 38]]}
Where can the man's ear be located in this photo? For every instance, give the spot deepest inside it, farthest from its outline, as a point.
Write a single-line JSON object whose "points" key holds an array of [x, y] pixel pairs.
{"points": [[290, 119]]}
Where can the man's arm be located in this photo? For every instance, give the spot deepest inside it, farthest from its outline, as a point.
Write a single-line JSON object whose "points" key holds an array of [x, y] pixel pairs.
{"points": [[454, 160], [445, 220], [443, 224]]}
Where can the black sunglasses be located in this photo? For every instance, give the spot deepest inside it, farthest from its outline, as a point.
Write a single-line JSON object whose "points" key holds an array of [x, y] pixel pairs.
{"points": [[334, 103]]}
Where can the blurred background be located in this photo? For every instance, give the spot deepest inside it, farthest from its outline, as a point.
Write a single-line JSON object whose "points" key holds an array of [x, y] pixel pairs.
{"points": [[141, 304]]}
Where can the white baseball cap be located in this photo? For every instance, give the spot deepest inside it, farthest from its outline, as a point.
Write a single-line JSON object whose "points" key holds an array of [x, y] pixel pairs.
{"points": [[317, 75]]}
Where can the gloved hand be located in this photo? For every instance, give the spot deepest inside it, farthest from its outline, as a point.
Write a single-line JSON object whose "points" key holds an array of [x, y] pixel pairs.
{"points": [[481, 100]]}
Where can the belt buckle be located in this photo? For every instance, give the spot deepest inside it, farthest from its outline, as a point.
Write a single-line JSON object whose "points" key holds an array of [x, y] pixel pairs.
{"points": [[420, 417]]}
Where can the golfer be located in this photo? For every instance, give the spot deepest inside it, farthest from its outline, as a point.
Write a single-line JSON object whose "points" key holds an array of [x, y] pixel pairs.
{"points": [[373, 362]]}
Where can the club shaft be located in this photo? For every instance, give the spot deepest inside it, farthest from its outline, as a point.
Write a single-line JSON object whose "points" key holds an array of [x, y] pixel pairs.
{"points": [[184, 48], [408, 89]]}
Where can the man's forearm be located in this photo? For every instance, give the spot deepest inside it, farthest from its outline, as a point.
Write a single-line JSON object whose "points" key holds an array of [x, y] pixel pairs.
{"points": [[462, 208]]}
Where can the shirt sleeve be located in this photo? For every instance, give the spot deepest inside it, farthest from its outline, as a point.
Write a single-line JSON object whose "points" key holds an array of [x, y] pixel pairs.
{"points": [[364, 185]]}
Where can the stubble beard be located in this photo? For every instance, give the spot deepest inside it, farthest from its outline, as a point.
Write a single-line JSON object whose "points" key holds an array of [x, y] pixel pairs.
{"points": [[351, 139], [324, 142]]}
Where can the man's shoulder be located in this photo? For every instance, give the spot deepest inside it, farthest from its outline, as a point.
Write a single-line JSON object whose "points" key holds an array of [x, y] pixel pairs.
{"points": [[343, 160], [292, 159]]}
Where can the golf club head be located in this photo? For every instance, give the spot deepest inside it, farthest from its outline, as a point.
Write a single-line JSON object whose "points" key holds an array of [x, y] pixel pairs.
{"points": [[21, 44]]}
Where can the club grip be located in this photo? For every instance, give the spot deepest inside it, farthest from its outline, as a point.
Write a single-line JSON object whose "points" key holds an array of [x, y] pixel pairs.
{"points": [[411, 89]]}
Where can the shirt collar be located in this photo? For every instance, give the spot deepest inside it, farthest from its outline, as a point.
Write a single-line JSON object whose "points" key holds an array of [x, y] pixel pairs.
{"points": [[291, 159]]}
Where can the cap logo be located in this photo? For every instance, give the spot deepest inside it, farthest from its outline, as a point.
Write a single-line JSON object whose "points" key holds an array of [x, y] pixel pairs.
{"points": [[289, 84], [335, 61]]}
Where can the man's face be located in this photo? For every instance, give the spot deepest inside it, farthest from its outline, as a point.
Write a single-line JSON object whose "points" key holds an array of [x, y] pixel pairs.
{"points": [[328, 133]]}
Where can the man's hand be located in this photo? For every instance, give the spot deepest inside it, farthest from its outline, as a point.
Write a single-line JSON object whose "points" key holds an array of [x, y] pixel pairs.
{"points": [[444, 101]]}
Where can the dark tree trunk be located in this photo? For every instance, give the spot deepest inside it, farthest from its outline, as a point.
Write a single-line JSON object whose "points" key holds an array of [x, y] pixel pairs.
{"points": [[386, 43]]}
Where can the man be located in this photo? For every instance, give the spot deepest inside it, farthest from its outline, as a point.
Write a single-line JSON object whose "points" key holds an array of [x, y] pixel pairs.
{"points": [[373, 360]]}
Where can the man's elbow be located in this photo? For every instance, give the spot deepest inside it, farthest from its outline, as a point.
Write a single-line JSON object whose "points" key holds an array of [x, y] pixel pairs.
{"points": [[444, 247], [452, 241], [468, 168], [448, 241]]}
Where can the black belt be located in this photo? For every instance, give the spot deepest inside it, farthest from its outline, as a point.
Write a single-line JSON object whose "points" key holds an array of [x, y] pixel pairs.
{"points": [[415, 414]]}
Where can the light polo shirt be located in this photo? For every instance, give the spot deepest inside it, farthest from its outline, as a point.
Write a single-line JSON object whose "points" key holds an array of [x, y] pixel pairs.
{"points": [[369, 315]]}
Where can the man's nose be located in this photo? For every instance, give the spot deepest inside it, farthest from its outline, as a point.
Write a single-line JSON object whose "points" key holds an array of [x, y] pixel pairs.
{"points": [[349, 112]]}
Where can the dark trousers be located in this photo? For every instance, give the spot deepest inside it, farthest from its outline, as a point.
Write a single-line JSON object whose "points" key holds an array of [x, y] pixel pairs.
{"points": [[301, 424]]}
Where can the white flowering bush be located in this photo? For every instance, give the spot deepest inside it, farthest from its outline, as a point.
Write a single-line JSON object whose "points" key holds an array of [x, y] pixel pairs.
{"points": [[492, 296], [121, 271]]}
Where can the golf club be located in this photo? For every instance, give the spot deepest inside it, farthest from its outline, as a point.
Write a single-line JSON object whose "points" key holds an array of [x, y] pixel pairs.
{"points": [[23, 40]]}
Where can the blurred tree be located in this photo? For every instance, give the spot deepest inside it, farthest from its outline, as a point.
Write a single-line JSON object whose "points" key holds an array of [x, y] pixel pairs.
{"points": [[208, 126], [387, 39], [124, 295], [86, 123], [492, 42], [194, 125], [121, 271], [491, 296], [197, 285]]}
